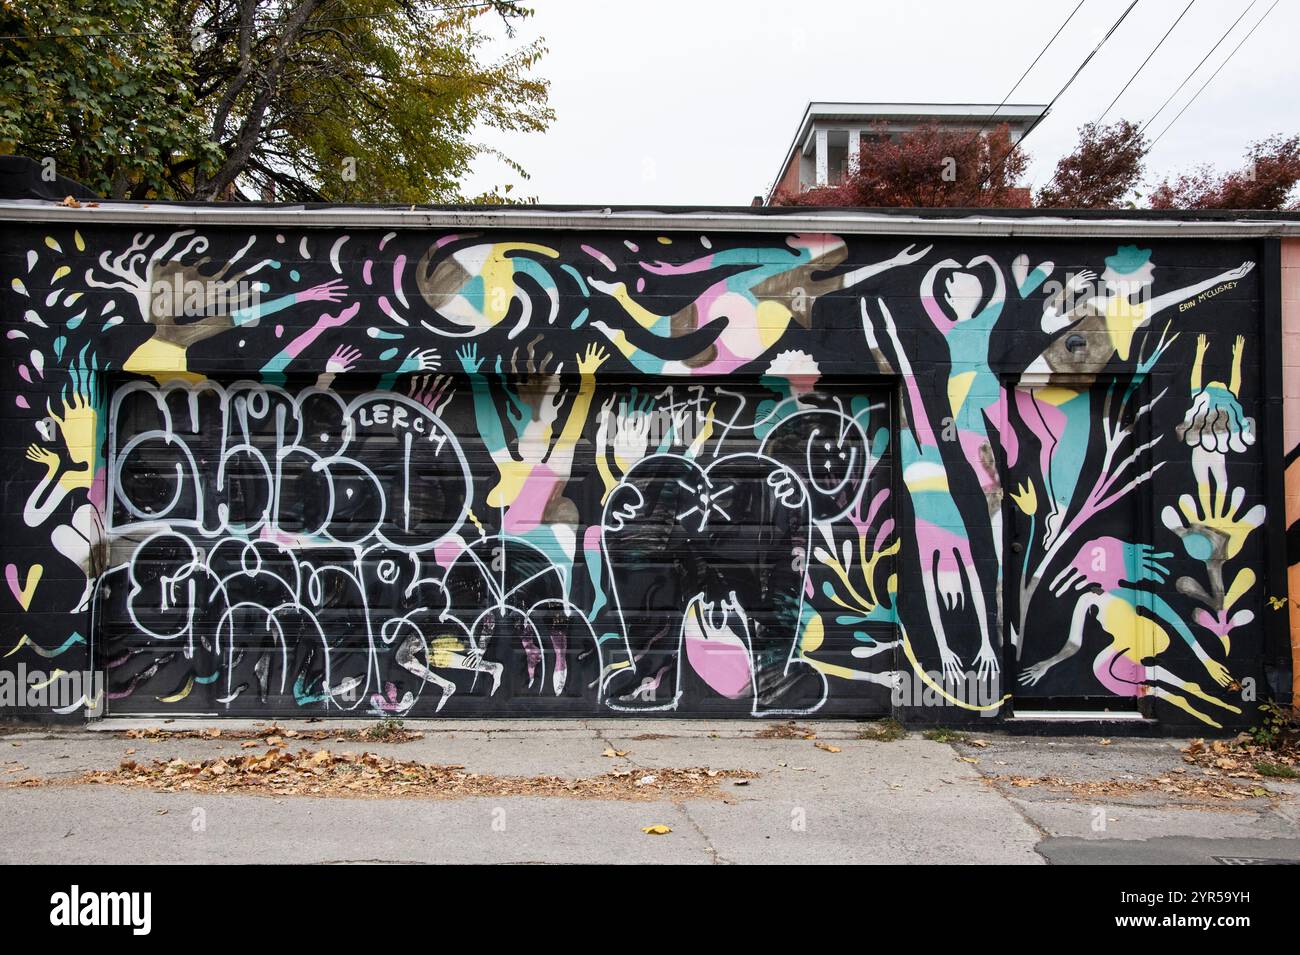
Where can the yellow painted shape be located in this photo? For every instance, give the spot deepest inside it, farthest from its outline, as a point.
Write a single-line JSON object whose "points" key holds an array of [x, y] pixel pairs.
{"points": [[958, 389], [1123, 319], [773, 319], [514, 475], [1240, 584], [1055, 394], [813, 634], [28, 590], [177, 697], [444, 650], [163, 361], [639, 313]]}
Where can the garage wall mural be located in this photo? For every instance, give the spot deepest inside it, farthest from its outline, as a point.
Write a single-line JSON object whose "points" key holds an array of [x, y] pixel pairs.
{"points": [[288, 473]]}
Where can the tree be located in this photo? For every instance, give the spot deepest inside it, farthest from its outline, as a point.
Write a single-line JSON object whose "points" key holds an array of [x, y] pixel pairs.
{"points": [[1104, 168], [105, 95], [929, 166], [1266, 181], [298, 99]]}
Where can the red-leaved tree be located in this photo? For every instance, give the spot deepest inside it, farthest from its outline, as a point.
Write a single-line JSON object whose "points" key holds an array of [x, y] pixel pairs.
{"points": [[1266, 181], [1105, 167], [927, 167]]}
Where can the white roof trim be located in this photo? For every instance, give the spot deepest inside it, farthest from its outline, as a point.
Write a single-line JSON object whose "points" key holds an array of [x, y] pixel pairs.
{"points": [[840, 222]]}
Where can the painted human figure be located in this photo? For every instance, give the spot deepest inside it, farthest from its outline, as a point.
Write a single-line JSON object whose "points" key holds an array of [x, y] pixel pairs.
{"points": [[1093, 323], [738, 318], [1213, 526], [1104, 576], [534, 473], [164, 356], [943, 540], [76, 425]]}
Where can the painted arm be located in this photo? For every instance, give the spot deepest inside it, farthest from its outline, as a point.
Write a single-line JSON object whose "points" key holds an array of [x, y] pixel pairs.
{"points": [[1198, 364], [274, 369], [1056, 315], [1086, 603], [1238, 347], [34, 512], [485, 412], [850, 279], [923, 433], [1173, 298], [561, 456], [602, 450], [928, 300], [999, 283], [325, 292]]}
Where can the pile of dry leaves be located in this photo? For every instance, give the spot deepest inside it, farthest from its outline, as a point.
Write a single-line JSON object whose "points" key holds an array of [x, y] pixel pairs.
{"points": [[383, 732], [1176, 783], [791, 730], [1243, 758], [320, 772]]}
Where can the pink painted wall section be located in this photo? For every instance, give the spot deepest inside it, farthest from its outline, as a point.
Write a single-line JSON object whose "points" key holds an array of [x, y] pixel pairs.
{"points": [[1291, 429]]}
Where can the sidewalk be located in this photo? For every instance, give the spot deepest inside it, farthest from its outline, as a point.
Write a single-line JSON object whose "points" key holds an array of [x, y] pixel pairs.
{"points": [[843, 795]]}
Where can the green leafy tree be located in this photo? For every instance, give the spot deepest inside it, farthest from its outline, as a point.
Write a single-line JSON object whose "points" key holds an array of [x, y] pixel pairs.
{"points": [[100, 90], [341, 100]]}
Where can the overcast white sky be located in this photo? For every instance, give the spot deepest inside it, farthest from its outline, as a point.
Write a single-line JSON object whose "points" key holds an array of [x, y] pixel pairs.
{"points": [[696, 101]]}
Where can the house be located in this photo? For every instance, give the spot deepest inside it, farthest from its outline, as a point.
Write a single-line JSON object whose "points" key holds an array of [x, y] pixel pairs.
{"points": [[829, 136]]}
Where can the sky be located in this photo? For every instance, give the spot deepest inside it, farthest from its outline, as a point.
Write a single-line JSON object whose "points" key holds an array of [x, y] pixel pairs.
{"points": [[695, 102]]}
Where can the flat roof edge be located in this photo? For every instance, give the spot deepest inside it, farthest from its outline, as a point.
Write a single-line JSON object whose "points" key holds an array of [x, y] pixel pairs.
{"points": [[742, 219]]}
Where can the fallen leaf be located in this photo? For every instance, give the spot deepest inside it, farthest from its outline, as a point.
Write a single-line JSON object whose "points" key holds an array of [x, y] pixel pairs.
{"points": [[827, 747], [611, 752], [656, 830]]}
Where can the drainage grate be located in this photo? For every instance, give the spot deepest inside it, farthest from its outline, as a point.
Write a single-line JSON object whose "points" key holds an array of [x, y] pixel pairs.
{"points": [[1253, 860]]}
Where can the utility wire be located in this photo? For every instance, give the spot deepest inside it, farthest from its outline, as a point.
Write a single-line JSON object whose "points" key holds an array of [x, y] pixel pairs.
{"points": [[1059, 93], [1216, 72], [1074, 76], [1197, 67], [1145, 62], [1028, 69]]}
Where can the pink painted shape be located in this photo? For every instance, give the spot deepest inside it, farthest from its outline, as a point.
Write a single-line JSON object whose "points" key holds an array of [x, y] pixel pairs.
{"points": [[721, 663], [1119, 674]]}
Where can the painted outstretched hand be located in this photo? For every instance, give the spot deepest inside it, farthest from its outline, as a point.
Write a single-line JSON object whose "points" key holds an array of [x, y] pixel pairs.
{"points": [[469, 359], [592, 359], [331, 291]]}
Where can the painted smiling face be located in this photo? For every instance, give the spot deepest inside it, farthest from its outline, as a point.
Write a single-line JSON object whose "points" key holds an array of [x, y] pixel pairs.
{"points": [[829, 452]]}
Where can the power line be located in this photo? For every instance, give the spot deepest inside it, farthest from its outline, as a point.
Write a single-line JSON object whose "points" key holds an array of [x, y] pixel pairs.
{"points": [[1028, 69], [1145, 62], [1197, 67], [1216, 72], [1059, 93], [1075, 75]]}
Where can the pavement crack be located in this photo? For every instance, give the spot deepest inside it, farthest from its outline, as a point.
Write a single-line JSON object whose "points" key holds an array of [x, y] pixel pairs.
{"points": [[715, 857]]}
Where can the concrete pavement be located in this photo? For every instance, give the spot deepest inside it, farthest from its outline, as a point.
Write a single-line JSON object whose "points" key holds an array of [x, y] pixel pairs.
{"points": [[908, 800]]}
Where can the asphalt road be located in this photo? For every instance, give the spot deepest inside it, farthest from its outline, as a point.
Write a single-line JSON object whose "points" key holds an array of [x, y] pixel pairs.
{"points": [[910, 800]]}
